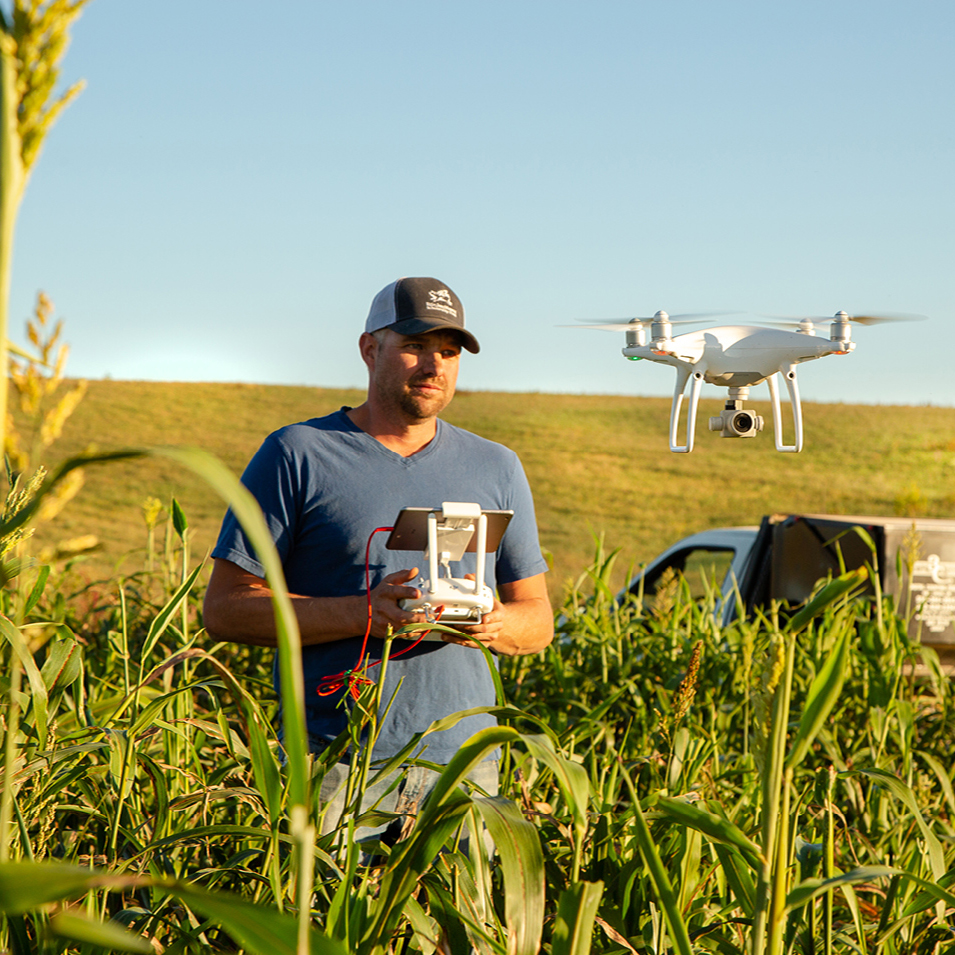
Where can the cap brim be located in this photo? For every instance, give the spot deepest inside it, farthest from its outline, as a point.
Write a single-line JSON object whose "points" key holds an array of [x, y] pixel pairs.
{"points": [[420, 326]]}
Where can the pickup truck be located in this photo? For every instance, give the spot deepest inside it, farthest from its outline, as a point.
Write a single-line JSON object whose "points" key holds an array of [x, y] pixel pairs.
{"points": [[787, 554]]}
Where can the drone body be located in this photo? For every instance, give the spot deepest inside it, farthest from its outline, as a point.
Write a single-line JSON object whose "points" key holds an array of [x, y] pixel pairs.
{"points": [[736, 357]]}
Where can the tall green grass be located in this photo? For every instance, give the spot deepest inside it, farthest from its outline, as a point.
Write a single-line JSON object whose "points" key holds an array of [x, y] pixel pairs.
{"points": [[783, 784]]}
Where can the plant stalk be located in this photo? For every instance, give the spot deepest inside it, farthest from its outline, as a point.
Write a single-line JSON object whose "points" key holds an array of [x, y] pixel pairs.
{"points": [[11, 192], [772, 791], [829, 862], [9, 756]]}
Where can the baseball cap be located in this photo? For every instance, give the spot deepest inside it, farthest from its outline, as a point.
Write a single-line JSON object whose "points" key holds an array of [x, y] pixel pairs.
{"points": [[413, 306]]}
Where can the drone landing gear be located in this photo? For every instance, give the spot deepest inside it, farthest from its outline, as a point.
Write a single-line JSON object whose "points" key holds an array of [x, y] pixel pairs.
{"points": [[790, 374], [735, 421], [682, 376]]}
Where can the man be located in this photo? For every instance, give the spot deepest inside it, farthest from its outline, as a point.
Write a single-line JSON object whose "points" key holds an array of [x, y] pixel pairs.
{"points": [[326, 484]]}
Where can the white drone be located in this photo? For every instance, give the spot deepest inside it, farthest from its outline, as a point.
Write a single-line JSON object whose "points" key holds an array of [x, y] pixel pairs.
{"points": [[737, 357]]}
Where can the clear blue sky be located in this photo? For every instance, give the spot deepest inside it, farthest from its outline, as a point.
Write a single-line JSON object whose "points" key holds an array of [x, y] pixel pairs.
{"points": [[239, 179]]}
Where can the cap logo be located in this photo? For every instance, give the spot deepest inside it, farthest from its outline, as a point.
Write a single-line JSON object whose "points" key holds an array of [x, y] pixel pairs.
{"points": [[440, 301]]}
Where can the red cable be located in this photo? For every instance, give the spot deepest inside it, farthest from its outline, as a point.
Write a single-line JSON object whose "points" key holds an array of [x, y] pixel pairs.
{"points": [[355, 678]]}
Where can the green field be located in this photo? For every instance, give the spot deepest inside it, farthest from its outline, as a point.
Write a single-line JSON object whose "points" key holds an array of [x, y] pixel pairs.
{"points": [[597, 464], [773, 787]]}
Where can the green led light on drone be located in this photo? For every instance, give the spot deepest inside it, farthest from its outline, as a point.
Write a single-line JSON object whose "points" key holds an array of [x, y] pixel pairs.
{"points": [[634, 358]]}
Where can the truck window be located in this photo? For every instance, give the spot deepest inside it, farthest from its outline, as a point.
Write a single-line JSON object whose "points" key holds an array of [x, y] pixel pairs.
{"points": [[704, 567], [697, 564]]}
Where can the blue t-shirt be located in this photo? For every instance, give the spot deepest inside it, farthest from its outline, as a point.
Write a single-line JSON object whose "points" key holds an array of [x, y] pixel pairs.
{"points": [[324, 486]]}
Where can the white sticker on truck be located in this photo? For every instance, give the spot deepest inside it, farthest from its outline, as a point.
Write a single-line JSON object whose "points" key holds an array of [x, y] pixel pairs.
{"points": [[933, 590]]}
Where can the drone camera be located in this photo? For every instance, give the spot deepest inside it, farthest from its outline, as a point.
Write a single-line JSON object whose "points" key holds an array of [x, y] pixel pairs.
{"points": [[734, 421]]}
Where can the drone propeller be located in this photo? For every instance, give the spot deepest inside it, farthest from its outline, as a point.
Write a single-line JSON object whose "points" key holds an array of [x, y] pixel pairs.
{"points": [[795, 321], [626, 324], [882, 319]]}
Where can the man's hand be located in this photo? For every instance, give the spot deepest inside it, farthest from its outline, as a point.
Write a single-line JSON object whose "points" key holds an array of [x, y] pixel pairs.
{"points": [[521, 621], [486, 632], [385, 611]]}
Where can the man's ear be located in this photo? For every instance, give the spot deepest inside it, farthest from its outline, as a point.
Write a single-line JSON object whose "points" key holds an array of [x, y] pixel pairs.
{"points": [[368, 348]]}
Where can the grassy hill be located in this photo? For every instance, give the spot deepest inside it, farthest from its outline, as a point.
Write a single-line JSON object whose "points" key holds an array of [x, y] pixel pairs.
{"points": [[597, 464]]}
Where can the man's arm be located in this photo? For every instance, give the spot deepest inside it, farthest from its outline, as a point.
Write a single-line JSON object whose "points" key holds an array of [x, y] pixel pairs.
{"points": [[238, 607], [521, 622]]}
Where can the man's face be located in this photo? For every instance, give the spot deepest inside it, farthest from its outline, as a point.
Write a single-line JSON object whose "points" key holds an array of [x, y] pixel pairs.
{"points": [[414, 374]]}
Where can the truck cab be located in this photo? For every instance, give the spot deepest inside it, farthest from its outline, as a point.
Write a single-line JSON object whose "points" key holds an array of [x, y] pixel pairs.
{"points": [[783, 558]]}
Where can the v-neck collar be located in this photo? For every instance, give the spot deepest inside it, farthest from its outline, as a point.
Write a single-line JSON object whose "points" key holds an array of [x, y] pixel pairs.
{"points": [[394, 456]]}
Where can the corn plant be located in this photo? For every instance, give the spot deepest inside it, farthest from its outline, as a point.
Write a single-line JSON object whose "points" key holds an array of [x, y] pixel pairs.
{"points": [[33, 38], [130, 754], [122, 741], [147, 799], [751, 824]]}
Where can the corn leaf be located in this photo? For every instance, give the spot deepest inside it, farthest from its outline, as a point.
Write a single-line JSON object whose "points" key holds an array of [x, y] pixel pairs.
{"points": [[160, 814], [828, 595], [522, 866], [105, 935], [249, 514], [501, 712], [499, 695], [407, 865], [457, 929], [265, 768], [941, 774], [822, 697], [426, 931], [179, 522], [38, 691], [465, 759], [27, 885], [150, 713], [442, 812], [203, 832], [716, 827], [738, 877], [291, 680], [62, 666], [662, 885], [37, 591], [26, 514], [903, 793], [576, 911], [571, 777], [259, 929], [158, 627], [812, 888]]}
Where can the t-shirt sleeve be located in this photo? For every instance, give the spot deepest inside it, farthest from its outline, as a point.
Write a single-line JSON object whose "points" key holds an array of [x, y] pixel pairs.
{"points": [[271, 477], [519, 555]]}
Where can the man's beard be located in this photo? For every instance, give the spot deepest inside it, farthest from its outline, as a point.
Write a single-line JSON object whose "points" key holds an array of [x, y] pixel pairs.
{"points": [[421, 407]]}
